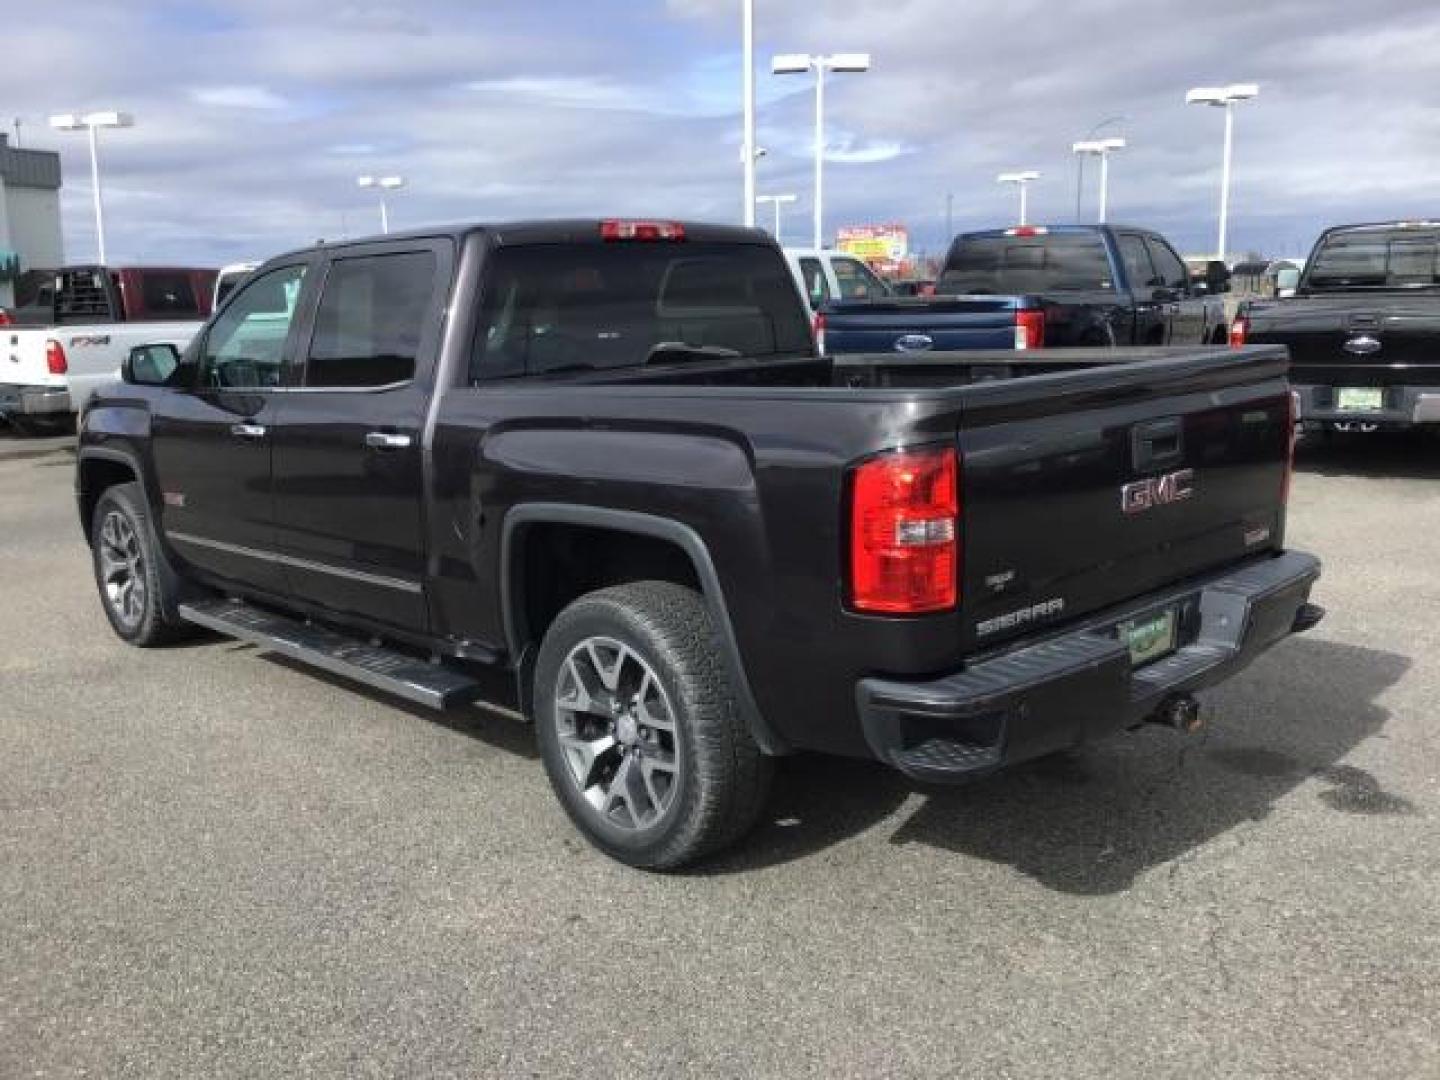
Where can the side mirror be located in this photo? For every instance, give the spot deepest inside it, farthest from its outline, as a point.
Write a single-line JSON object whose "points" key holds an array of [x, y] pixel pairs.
{"points": [[150, 365]]}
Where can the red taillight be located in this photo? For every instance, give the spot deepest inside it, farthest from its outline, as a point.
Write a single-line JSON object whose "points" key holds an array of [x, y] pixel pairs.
{"points": [[904, 533], [1027, 230], [1029, 329], [614, 229], [5, 319], [55, 358], [1239, 331], [818, 325]]}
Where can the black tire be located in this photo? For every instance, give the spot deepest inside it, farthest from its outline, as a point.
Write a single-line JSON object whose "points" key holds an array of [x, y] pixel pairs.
{"points": [[150, 618], [721, 778]]}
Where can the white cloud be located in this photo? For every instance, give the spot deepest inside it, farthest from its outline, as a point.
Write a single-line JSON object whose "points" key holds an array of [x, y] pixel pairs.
{"points": [[238, 97]]}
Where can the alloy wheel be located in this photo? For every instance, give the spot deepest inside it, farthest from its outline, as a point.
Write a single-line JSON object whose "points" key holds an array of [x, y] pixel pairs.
{"points": [[617, 733], [122, 570]]}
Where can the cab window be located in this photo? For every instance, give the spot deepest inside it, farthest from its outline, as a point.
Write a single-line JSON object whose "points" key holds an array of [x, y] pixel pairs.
{"points": [[370, 320], [1168, 265], [857, 281], [817, 289], [245, 346]]}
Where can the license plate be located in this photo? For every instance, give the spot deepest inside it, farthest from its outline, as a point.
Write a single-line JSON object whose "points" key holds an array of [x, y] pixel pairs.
{"points": [[1149, 638], [1361, 399]]}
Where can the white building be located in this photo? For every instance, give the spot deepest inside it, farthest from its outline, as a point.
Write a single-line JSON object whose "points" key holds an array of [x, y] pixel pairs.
{"points": [[29, 213]]}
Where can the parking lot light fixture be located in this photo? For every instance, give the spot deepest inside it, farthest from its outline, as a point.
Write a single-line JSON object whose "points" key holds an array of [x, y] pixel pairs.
{"points": [[1223, 97], [382, 184], [1101, 148], [799, 63], [93, 122], [776, 201], [1021, 180]]}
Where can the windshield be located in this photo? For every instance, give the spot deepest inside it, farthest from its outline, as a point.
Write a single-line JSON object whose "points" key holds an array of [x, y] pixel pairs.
{"points": [[549, 308], [1398, 258], [1008, 265]]}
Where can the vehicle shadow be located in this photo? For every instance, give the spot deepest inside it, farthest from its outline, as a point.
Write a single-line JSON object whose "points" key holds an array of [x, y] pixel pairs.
{"points": [[1091, 820], [1401, 455]]}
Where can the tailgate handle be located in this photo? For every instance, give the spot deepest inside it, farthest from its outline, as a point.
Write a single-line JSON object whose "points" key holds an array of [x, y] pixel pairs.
{"points": [[1157, 443]]}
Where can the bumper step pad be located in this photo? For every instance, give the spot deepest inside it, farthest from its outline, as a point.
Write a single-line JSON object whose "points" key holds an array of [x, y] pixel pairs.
{"points": [[375, 666]]}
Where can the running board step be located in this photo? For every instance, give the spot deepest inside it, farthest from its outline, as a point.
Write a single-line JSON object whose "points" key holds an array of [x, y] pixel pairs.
{"points": [[394, 672]]}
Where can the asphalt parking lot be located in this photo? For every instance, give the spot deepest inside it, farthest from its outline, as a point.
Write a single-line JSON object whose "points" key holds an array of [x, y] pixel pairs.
{"points": [[216, 864]]}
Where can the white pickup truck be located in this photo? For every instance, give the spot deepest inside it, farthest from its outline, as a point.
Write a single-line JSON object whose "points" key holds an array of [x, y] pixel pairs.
{"points": [[74, 327]]}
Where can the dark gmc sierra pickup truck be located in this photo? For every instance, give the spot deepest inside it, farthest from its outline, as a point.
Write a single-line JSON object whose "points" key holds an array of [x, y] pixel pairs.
{"points": [[1036, 286], [605, 458], [1363, 327]]}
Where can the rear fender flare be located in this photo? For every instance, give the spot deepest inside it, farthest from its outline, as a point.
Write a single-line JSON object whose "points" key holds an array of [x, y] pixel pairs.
{"points": [[682, 536]]}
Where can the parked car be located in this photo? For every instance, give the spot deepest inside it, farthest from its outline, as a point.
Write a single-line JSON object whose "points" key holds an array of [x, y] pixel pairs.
{"points": [[604, 457], [73, 328], [1036, 286], [1363, 327]]}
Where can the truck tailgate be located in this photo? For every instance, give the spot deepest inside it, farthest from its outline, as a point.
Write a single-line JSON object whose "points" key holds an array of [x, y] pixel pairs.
{"points": [[1354, 340], [22, 357], [1074, 500], [920, 324]]}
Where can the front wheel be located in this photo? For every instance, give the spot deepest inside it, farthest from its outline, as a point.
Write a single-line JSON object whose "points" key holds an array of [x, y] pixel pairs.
{"points": [[138, 588], [639, 729]]}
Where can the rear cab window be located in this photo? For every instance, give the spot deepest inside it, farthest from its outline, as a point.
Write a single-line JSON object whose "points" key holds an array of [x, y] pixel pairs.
{"points": [[1395, 257], [549, 309], [997, 264], [168, 294]]}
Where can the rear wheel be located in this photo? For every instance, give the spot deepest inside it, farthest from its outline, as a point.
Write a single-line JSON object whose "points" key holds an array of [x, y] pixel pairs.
{"points": [[639, 729], [138, 588]]}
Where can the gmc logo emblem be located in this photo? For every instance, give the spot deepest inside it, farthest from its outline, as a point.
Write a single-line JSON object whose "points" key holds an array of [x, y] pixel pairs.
{"points": [[1156, 491]]}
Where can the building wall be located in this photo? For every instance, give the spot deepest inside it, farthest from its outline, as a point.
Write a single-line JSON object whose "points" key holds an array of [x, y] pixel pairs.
{"points": [[34, 215]]}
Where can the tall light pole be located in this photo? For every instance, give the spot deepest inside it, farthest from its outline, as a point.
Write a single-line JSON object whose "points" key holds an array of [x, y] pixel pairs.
{"points": [[1080, 161], [1101, 148], [1223, 97], [747, 139], [382, 184], [798, 63], [93, 122], [1022, 181], [777, 201]]}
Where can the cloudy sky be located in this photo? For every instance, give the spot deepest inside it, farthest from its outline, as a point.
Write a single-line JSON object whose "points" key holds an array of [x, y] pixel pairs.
{"points": [[255, 117]]}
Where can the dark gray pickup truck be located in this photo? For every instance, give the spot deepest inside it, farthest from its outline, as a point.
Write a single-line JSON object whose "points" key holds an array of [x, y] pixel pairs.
{"points": [[1363, 327], [603, 460]]}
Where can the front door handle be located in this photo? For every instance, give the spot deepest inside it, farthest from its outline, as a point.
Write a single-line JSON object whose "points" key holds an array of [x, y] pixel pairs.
{"points": [[387, 440], [248, 431]]}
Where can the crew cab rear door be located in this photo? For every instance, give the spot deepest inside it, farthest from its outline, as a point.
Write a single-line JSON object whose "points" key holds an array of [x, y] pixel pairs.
{"points": [[349, 493]]}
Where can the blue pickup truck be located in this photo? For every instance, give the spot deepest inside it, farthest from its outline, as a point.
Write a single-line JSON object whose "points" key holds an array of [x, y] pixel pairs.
{"points": [[1034, 287]]}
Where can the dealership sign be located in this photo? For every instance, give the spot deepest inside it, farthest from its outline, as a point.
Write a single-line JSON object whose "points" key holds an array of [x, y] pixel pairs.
{"points": [[875, 243]]}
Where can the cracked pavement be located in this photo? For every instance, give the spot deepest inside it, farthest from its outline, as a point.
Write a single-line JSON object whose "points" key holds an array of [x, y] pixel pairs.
{"points": [[216, 864]]}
